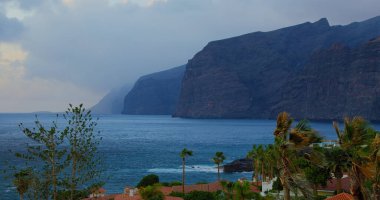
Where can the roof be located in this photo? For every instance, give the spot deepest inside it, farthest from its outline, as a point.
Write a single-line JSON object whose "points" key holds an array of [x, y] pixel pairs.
{"points": [[210, 187], [341, 196], [137, 197]]}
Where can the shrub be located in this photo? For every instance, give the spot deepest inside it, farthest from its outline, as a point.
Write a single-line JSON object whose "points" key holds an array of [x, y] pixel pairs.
{"points": [[148, 180], [176, 194], [277, 185], [199, 195], [151, 193]]}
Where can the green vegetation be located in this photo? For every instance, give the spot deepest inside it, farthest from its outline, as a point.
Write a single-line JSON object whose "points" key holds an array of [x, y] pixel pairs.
{"points": [[148, 180], [218, 160], [151, 192], [199, 195], [59, 161], [184, 153]]}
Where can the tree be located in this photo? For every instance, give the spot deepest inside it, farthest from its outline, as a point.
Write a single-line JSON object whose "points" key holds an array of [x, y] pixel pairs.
{"points": [[253, 154], [148, 180], [47, 153], [355, 140], [228, 189], [184, 153], [151, 192], [82, 158], [288, 143], [53, 150], [337, 162], [218, 159], [22, 180], [242, 190]]}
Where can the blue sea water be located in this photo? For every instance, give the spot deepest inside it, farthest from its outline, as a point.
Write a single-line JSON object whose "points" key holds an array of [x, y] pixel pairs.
{"points": [[134, 146]]}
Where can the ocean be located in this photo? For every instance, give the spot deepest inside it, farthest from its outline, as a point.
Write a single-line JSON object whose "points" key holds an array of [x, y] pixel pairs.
{"points": [[134, 146]]}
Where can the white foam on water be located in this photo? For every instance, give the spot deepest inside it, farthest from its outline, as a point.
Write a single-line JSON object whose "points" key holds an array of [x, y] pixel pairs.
{"points": [[189, 168]]}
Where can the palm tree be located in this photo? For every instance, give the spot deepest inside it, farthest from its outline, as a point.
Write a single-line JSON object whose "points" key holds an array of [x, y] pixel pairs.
{"points": [[288, 143], [355, 140], [228, 189], [337, 162], [255, 162], [184, 153], [218, 159], [22, 181], [375, 157], [242, 190]]}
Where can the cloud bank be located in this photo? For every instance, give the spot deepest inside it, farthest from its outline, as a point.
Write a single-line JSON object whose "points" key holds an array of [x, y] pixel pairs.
{"points": [[71, 51]]}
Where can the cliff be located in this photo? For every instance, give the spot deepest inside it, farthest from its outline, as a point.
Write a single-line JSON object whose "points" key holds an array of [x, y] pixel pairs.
{"points": [[260, 74], [155, 94], [113, 102]]}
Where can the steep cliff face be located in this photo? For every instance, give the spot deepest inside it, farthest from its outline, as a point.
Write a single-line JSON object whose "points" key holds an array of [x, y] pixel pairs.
{"points": [[336, 82], [155, 94], [245, 76], [113, 102]]}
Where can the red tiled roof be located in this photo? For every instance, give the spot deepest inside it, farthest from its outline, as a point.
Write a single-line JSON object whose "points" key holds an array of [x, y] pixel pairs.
{"points": [[211, 187], [341, 196]]}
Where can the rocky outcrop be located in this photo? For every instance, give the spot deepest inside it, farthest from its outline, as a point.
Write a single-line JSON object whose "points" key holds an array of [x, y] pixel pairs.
{"points": [[260, 74], [155, 94], [240, 165]]}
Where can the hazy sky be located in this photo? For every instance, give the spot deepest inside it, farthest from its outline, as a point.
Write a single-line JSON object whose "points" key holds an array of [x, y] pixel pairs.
{"points": [[55, 52]]}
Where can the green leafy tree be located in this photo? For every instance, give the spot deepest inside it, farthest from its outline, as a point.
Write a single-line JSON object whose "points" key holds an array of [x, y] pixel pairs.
{"points": [[83, 160], [228, 189], [148, 180], [338, 163], [218, 160], [199, 195], [46, 152], [242, 190], [22, 180], [151, 192], [184, 153]]}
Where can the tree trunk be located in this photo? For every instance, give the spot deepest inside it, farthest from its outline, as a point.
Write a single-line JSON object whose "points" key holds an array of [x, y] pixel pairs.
{"points": [[315, 190], [183, 175], [338, 185], [21, 196], [286, 192], [376, 191], [218, 173]]}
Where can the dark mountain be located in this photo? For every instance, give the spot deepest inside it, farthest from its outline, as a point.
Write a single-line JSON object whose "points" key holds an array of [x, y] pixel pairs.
{"points": [[113, 102], [337, 82], [260, 74], [155, 94]]}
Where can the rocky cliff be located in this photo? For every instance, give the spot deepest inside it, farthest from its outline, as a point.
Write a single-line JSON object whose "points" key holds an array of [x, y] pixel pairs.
{"points": [[113, 102], [155, 94], [260, 74]]}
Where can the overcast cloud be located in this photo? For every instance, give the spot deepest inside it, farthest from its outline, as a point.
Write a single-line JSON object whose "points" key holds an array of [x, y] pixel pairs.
{"points": [[55, 52]]}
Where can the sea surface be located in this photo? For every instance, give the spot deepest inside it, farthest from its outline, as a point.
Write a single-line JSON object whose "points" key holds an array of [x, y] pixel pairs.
{"points": [[134, 146]]}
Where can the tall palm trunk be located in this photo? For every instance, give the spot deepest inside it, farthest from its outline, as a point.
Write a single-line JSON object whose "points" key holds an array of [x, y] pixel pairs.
{"points": [[218, 172], [183, 175], [21, 196], [338, 185]]}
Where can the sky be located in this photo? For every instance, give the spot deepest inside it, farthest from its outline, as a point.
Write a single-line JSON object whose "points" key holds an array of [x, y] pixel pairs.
{"points": [[56, 52]]}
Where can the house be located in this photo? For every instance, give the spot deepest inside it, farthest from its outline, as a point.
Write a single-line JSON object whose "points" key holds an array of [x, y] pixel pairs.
{"points": [[99, 192]]}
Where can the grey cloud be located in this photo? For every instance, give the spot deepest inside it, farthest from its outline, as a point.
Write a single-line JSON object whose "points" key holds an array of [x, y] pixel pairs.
{"points": [[10, 29], [100, 47]]}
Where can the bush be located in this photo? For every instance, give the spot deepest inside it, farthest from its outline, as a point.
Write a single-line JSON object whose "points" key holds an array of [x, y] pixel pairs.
{"points": [[151, 193], [277, 186], [174, 183], [148, 180], [176, 194], [199, 195]]}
